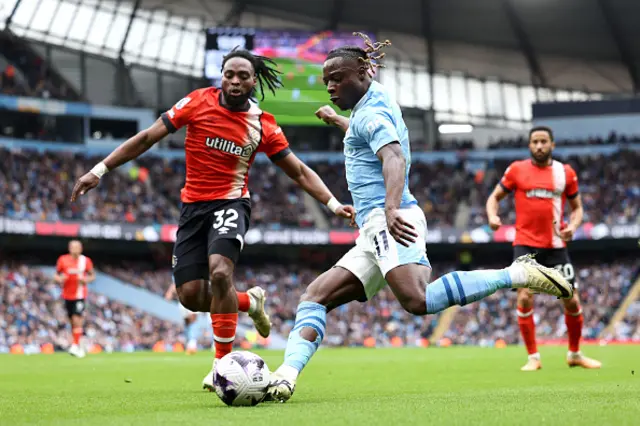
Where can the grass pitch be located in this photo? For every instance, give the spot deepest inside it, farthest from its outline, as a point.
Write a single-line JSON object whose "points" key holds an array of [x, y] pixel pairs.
{"points": [[457, 386]]}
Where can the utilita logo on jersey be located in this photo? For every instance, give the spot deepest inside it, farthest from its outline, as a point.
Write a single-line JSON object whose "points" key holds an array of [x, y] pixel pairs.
{"points": [[230, 147], [542, 193]]}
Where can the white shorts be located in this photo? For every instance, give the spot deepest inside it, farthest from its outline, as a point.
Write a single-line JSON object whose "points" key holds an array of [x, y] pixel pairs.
{"points": [[376, 252]]}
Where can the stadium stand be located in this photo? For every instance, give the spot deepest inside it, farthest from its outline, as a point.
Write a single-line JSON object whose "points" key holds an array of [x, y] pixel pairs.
{"points": [[42, 193]]}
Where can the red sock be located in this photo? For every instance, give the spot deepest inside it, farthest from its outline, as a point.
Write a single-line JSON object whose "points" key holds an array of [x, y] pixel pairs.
{"points": [[574, 321], [77, 334], [528, 329], [224, 332], [243, 301]]}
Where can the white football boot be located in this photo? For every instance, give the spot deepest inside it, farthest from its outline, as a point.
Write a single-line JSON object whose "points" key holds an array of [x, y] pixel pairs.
{"points": [[540, 279], [77, 351], [257, 313], [207, 382], [282, 384]]}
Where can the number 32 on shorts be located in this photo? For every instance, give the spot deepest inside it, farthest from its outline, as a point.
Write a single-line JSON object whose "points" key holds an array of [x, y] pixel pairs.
{"points": [[225, 219]]}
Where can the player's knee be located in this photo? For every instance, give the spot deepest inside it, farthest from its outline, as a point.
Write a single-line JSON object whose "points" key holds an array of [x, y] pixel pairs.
{"points": [[573, 304], [415, 304], [220, 271], [314, 294], [525, 298]]}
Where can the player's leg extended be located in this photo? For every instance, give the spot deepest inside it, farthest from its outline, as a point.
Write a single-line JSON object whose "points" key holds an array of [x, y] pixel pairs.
{"points": [[527, 326], [333, 288], [574, 320]]}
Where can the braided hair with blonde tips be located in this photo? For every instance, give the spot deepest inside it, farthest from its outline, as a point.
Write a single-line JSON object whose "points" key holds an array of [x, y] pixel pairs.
{"points": [[369, 56]]}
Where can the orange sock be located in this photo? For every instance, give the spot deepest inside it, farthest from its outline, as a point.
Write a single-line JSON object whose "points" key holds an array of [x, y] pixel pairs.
{"points": [[574, 321], [243, 301], [224, 332], [528, 329], [77, 334]]}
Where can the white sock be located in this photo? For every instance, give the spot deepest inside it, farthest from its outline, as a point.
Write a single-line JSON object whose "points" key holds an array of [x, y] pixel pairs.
{"points": [[535, 356], [518, 275], [288, 372], [574, 354]]}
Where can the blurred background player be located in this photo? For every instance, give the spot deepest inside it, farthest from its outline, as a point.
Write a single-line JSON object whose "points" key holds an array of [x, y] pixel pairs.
{"points": [[75, 271], [542, 185], [190, 317], [224, 132], [391, 248]]}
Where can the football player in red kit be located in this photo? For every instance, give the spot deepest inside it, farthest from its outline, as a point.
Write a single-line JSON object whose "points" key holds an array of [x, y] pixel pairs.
{"points": [[75, 271], [225, 131], [541, 186]]}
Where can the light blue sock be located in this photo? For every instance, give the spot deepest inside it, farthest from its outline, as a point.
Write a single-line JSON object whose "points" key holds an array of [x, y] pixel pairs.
{"points": [[461, 288], [299, 351]]}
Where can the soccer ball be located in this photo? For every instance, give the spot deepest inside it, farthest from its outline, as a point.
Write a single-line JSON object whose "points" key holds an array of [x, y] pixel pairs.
{"points": [[241, 378]]}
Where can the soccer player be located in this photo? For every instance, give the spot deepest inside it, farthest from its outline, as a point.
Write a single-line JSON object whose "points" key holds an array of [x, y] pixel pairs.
{"points": [[74, 271], [189, 318], [225, 131], [542, 185], [391, 248]]}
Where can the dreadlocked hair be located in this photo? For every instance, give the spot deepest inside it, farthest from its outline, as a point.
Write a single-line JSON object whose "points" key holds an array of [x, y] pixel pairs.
{"points": [[368, 56], [265, 68]]}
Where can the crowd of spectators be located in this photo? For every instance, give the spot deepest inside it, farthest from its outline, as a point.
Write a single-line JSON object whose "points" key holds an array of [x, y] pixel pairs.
{"points": [[32, 315], [38, 187]]}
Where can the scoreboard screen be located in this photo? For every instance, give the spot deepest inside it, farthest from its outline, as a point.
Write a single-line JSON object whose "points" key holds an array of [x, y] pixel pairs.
{"points": [[299, 55]]}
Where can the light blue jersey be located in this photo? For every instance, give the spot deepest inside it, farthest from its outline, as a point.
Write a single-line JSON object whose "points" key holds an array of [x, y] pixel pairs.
{"points": [[375, 121]]}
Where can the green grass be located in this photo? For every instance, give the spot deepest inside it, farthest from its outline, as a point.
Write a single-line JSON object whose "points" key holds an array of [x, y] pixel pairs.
{"points": [[461, 386]]}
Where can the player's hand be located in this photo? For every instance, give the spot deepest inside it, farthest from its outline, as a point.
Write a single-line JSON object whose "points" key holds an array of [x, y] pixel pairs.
{"points": [[326, 114], [495, 222], [84, 184], [401, 231], [565, 234], [347, 212]]}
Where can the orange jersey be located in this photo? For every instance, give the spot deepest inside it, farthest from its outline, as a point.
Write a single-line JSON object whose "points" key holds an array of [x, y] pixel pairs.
{"points": [[221, 145], [540, 195], [73, 269]]}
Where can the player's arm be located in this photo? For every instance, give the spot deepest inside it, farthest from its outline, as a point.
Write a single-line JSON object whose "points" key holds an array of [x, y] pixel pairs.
{"points": [[311, 183], [90, 276], [329, 116], [575, 219], [493, 205], [59, 277], [130, 149], [507, 184], [394, 166]]}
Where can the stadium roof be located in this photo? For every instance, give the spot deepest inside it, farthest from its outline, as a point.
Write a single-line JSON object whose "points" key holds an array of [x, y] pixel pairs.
{"points": [[168, 33]]}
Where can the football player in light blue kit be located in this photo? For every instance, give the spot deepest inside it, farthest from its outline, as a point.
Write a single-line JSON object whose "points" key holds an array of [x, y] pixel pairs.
{"points": [[391, 248]]}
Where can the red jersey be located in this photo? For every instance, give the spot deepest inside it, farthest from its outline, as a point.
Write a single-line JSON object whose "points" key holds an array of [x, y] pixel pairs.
{"points": [[540, 195], [221, 145], [73, 269]]}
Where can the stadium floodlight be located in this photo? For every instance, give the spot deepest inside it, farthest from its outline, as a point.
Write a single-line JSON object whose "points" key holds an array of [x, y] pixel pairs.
{"points": [[448, 129]]}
